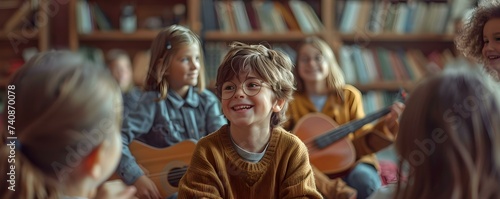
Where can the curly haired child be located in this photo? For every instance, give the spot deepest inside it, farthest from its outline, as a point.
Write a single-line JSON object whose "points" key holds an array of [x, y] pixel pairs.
{"points": [[479, 37]]}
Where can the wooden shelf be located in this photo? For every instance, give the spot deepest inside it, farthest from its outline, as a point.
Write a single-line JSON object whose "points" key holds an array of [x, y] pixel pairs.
{"points": [[297, 35], [116, 35], [425, 42], [5, 35], [386, 85], [394, 37], [256, 36]]}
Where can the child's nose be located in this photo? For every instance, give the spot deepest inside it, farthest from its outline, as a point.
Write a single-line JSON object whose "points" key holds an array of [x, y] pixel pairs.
{"points": [[194, 65], [239, 93], [488, 46]]}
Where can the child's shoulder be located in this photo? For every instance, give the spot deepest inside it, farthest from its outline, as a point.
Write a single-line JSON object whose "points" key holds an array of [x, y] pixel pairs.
{"points": [[137, 96], [286, 136], [213, 138], [206, 95], [288, 144], [351, 93], [349, 89]]}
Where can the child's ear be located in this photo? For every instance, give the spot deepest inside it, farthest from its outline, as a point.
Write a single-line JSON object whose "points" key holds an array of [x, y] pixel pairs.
{"points": [[92, 162], [278, 105]]}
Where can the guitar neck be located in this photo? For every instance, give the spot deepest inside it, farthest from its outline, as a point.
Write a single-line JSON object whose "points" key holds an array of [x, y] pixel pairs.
{"points": [[343, 130]]}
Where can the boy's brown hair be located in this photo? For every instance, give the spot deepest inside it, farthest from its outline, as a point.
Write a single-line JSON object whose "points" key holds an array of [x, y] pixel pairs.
{"points": [[272, 66]]}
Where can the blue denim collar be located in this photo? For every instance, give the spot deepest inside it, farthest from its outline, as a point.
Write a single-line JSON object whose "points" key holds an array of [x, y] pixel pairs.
{"points": [[192, 98]]}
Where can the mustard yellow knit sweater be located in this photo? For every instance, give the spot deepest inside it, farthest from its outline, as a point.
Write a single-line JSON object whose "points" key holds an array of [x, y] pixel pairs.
{"points": [[217, 170], [366, 141]]}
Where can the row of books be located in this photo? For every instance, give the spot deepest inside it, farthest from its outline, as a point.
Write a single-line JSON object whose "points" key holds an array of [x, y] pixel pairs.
{"points": [[411, 17], [90, 17], [374, 101], [367, 65], [265, 16], [214, 54], [360, 65]]}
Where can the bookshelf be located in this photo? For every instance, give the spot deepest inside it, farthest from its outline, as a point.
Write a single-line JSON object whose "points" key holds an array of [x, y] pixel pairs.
{"points": [[429, 34], [148, 13], [393, 37], [256, 36], [393, 25], [115, 35], [24, 25]]}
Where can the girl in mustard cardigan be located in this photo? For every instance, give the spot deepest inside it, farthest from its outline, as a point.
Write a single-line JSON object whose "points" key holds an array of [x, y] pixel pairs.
{"points": [[252, 156], [321, 88]]}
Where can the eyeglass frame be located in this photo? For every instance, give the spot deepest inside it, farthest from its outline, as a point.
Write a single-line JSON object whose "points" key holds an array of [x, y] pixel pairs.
{"points": [[262, 83]]}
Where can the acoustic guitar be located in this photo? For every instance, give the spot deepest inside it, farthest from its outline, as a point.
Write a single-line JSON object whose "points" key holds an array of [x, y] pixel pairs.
{"points": [[329, 149], [164, 166]]}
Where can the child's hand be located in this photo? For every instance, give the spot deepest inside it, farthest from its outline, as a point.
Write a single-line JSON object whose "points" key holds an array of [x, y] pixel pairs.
{"points": [[396, 110], [115, 189], [146, 188]]}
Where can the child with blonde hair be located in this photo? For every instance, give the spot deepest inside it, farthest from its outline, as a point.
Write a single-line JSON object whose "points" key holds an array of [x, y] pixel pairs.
{"points": [[62, 139], [252, 156], [321, 88], [174, 107]]}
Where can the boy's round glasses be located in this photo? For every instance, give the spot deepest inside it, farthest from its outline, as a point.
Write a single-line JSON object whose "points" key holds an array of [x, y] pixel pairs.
{"points": [[251, 87]]}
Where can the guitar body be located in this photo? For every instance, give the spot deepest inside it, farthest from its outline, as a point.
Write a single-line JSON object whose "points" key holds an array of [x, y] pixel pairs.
{"points": [[164, 166], [336, 157]]}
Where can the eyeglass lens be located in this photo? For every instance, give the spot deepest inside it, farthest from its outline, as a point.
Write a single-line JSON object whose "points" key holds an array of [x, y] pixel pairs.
{"points": [[251, 87]]}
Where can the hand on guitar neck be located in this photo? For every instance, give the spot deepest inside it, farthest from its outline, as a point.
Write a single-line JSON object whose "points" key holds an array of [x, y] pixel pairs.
{"points": [[396, 110]]}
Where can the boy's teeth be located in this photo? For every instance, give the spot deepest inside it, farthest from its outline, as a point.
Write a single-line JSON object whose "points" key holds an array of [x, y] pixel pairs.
{"points": [[241, 107]]}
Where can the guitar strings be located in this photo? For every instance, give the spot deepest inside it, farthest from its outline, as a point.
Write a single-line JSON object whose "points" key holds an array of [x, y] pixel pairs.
{"points": [[178, 172], [324, 140], [313, 144]]}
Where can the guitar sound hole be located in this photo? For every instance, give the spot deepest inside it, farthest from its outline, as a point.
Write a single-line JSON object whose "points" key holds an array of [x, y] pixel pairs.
{"points": [[175, 175]]}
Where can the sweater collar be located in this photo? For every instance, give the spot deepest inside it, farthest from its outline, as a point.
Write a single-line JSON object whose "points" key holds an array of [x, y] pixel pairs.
{"points": [[238, 160]]}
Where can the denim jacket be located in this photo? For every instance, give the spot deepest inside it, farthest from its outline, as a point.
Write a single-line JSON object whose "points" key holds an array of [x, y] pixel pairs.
{"points": [[164, 123]]}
